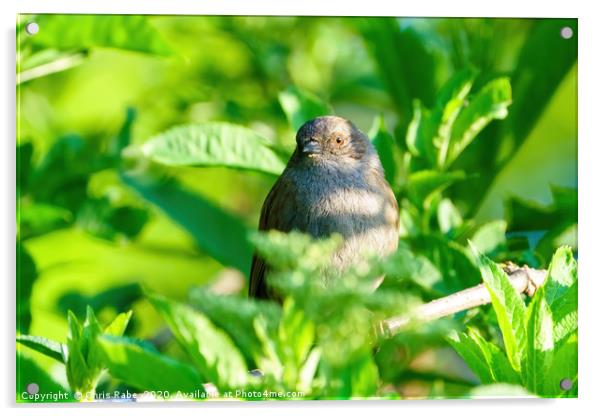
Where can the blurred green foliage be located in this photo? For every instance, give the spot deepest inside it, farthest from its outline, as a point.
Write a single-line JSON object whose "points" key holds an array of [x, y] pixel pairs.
{"points": [[146, 146]]}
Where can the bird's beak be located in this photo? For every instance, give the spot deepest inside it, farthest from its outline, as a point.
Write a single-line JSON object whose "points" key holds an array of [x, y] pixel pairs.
{"points": [[311, 147]]}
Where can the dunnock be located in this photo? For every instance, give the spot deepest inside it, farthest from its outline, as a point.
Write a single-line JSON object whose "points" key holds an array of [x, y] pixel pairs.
{"points": [[333, 183]]}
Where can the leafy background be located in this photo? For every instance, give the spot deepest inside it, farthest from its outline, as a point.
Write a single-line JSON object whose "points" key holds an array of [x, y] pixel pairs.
{"points": [[146, 146]]}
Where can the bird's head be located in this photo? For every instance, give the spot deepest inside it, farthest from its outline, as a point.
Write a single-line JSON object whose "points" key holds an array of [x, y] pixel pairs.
{"points": [[332, 139]]}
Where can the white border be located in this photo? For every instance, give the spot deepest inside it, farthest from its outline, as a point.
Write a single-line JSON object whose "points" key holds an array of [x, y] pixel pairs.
{"points": [[590, 208]]}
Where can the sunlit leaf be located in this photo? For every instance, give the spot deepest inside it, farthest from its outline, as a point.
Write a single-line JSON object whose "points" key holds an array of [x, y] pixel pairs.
{"points": [[490, 237], [491, 102], [214, 144], [509, 309], [45, 346]]}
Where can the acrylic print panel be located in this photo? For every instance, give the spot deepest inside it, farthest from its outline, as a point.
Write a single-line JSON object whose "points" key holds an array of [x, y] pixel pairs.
{"points": [[419, 242]]}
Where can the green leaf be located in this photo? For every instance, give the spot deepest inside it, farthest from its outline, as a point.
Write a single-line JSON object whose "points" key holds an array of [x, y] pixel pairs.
{"points": [[450, 101], [490, 237], [470, 351], [562, 274], [220, 234], [490, 103], [508, 306], [26, 276], [421, 131], [451, 259], [385, 146], [214, 144], [45, 346], [29, 372], [295, 335], [211, 349], [128, 32], [39, 218], [145, 368], [424, 184], [393, 49], [551, 325], [487, 361], [448, 216], [547, 64], [235, 315], [540, 343], [117, 327], [564, 365], [301, 106]]}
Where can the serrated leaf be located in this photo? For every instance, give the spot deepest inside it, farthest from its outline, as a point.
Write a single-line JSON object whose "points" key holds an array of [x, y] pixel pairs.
{"points": [[540, 343], [211, 349], [508, 306], [145, 369], [564, 366], [488, 362], [471, 353], [491, 102], [300, 106], [214, 144], [45, 346]]}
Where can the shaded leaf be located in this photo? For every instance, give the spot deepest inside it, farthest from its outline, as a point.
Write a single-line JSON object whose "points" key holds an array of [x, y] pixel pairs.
{"points": [[423, 184], [217, 232], [385, 146], [301, 106], [146, 369], [235, 315], [210, 348], [26, 276]]}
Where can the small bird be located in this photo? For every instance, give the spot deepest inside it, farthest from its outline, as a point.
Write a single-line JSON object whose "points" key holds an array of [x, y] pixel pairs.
{"points": [[333, 183]]}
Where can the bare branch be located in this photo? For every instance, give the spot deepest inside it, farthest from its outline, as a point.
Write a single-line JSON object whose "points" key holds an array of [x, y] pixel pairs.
{"points": [[523, 279]]}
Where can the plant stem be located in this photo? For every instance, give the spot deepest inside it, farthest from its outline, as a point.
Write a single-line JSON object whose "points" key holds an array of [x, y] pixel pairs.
{"points": [[523, 279]]}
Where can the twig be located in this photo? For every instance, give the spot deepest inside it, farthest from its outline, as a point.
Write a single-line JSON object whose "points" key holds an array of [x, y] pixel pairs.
{"points": [[523, 279]]}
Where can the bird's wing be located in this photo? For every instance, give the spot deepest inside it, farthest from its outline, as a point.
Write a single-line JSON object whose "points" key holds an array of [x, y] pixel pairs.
{"points": [[277, 213]]}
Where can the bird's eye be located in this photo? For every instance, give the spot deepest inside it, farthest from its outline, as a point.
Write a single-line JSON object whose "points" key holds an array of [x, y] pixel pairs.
{"points": [[339, 139]]}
